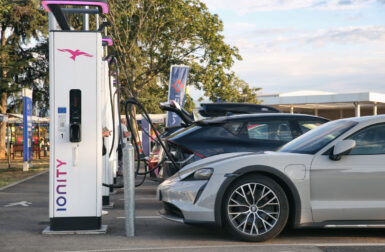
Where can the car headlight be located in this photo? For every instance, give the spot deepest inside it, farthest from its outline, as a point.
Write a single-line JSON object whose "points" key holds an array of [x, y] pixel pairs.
{"points": [[201, 174]]}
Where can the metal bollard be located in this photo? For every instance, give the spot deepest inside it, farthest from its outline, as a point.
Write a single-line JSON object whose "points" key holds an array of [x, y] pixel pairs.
{"points": [[129, 188]]}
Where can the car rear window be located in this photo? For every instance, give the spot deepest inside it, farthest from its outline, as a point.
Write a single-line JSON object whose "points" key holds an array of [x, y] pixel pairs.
{"points": [[217, 131], [278, 130], [233, 127]]}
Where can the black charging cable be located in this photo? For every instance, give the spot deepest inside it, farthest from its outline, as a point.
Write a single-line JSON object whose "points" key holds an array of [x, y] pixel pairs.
{"points": [[134, 101], [136, 145]]}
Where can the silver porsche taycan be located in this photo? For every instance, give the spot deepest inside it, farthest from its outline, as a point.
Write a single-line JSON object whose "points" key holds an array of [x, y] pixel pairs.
{"points": [[333, 176]]}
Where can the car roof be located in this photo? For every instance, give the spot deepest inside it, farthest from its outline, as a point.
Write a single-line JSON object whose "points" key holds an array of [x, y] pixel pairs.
{"points": [[364, 119], [224, 119]]}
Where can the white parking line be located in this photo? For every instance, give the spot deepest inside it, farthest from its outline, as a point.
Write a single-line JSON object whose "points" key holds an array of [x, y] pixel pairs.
{"points": [[240, 246], [152, 198], [148, 187], [141, 217]]}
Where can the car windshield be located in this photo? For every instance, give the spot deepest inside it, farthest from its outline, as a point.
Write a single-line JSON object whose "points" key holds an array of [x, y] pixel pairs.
{"points": [[316, 139]]}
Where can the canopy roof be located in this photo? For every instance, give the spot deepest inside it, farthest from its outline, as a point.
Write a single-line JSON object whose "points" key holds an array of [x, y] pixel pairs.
{"points": [[327, 104], [18, 118], [323, 100]]}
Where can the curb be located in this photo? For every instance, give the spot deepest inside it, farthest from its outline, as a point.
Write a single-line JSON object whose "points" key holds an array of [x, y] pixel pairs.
{"points": [[21, 181]]}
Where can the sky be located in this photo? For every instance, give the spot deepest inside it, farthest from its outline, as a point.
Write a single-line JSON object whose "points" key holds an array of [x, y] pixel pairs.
{"points": [[291, 45]]}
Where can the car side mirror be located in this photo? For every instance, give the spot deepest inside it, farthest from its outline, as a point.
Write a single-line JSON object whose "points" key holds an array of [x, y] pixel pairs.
{"points": [[341, 148]]}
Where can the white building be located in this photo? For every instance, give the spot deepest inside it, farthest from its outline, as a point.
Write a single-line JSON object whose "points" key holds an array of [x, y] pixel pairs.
{"points": [[327, 104]]}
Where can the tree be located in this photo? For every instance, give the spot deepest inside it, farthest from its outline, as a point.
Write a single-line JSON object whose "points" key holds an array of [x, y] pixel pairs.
{"points": [[152, 35], [36, 77], [20, 21], [33, 75], [239, 91]]}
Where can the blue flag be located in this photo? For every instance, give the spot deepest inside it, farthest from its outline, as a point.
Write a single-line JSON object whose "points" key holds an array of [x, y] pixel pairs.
{"points": [[177, 92], [27, 125], [146, 133]]}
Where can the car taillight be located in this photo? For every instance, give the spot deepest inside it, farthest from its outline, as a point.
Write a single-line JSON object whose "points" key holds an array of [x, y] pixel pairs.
{"points": [[199, 155]]}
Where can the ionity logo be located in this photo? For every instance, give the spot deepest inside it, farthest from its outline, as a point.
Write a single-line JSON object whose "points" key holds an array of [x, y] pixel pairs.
{"points": [[75, 53], [61, 185]]}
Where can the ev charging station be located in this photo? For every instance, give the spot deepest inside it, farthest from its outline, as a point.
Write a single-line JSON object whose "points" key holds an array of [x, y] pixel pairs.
{"points": [[76, 112], [115, 138], [109, 121]]}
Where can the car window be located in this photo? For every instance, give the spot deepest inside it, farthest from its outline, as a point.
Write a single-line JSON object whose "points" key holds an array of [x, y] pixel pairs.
{"points": [[269, 130], [213, 132], [306, 125], [369, 141], [233, 127]]}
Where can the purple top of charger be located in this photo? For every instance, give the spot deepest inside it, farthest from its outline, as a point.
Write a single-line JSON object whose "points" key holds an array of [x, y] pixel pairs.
{"points": [[108, 40], [103, 5]]}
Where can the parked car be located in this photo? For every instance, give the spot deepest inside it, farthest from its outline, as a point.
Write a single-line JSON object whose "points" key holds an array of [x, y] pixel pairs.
{"points": [[206, 110], [237, 133], [209, 110], [332, 176]]}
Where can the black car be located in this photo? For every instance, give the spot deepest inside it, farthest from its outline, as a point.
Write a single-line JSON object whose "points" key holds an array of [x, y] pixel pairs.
{"points": [[211, 110], [237, 133]]}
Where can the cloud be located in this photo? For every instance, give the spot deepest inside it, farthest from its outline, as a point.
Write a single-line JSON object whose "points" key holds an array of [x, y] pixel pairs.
{"points": [[284, 72], [344, 35], [249, 6], [272, 31], [345, 2], [240, 27], [281, 57], [342, 58], [266, 40]]}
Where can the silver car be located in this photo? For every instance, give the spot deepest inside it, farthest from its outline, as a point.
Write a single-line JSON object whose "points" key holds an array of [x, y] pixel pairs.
{"points": [[332, 176]]}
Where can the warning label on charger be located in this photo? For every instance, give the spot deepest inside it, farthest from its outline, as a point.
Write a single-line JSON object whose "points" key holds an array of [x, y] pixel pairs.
{"points": [[62, 119]]}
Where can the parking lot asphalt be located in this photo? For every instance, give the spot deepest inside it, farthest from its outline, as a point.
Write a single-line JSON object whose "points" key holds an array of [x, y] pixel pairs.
{"points": [[24, 214]]}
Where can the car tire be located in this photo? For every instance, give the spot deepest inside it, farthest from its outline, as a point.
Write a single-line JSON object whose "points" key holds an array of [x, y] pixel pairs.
{"points": [[255, 208]]}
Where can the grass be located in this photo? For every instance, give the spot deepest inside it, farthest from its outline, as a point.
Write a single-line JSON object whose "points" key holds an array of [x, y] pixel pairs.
{"points": [[16, 173]]}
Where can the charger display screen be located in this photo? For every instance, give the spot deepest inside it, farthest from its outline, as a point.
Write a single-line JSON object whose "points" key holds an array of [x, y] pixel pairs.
{"points": [[75, 106]]}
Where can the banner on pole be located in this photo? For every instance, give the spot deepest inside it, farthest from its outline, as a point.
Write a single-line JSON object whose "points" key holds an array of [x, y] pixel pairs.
{"points": [[177, 92], [146, 133], [27, 128]]}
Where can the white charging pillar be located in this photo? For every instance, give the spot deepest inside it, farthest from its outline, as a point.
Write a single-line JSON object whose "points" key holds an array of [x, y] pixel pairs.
{"points": [[75, 130], [114, 157], [75, 65], [108, 141]]}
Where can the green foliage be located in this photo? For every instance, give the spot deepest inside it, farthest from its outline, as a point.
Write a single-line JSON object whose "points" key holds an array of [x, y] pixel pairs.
{"points": [[152, 35], [240, 91], [22, 23]]}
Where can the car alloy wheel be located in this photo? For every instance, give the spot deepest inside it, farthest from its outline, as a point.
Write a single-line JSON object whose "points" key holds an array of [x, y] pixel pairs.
{"points": [[256, 208]]}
